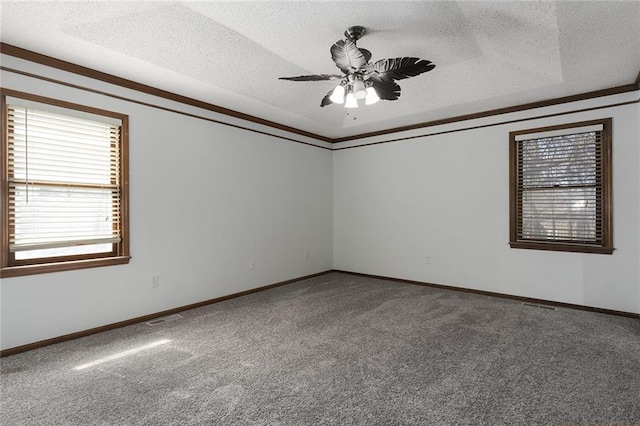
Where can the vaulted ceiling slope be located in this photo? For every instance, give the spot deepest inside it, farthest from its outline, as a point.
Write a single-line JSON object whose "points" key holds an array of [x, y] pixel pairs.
{"points": [[488, 55]]}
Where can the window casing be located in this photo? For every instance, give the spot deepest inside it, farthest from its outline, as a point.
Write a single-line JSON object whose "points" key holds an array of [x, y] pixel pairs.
{"points": [[560, 188], [64, 186]]}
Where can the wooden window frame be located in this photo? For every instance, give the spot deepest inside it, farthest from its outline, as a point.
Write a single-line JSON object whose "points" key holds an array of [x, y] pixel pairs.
{"points": [[120, 254], [606, 206]]}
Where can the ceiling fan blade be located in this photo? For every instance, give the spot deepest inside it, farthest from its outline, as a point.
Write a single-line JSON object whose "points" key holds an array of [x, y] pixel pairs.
{"points": [[347, 56], [326, 101], [316, 77], [366, 53], [398, 68], [387, 90]]}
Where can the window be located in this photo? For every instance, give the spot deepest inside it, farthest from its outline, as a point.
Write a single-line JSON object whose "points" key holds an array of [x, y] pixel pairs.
{"points": [[64, 186], [560, 188]]}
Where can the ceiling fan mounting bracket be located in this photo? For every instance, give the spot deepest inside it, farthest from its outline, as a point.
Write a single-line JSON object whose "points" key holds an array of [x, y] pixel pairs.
{"points": [[355, 33]]}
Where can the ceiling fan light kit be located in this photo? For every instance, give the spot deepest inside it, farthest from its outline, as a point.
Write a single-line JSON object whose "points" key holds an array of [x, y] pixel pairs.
{"points": [[362, 79], [351, 101], [372, 96], [337, 96]]}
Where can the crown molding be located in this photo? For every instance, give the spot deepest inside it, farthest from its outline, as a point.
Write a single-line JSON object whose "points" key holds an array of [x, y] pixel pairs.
{"points": [[52, 62], [39, 58], [500, 111]]}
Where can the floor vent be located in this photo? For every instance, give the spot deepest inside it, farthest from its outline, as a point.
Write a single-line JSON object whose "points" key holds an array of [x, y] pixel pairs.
{"points": [[534, 305], [164, 319]]}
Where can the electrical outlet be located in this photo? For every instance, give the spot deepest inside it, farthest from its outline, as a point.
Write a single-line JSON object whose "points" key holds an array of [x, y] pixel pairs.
{"points": [[307, 255], [427, 260], [155, 281], [252, 264]]}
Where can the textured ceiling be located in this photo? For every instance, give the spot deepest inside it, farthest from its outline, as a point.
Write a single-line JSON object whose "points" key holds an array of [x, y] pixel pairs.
{"points": [[488, 55]]}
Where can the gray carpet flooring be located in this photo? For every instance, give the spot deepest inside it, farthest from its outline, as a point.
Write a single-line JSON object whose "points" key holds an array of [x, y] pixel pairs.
{"points": [[339, 349]]}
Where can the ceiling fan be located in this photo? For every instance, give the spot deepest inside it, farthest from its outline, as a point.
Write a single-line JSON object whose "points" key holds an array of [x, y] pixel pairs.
{"points": [[362, 79]]}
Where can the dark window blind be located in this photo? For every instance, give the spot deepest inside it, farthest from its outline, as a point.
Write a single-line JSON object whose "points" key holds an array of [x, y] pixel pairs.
{"points": [[559, 185]]}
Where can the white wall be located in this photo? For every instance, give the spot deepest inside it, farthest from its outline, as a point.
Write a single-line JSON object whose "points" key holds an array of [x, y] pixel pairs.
{"points": [[204, 199], [447, 196], [197, 218], [637, 120]]}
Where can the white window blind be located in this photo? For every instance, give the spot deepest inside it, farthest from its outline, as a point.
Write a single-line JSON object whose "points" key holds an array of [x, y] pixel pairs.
{"points": [[64, 183], [559, 184]]}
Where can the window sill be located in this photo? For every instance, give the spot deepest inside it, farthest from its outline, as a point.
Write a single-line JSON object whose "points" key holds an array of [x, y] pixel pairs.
{"points": [[17, 271], [575, 248]]}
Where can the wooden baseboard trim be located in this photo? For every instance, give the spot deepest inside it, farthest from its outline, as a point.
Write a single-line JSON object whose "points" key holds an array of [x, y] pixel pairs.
{"points": [[495, 294], [144, 318]]}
